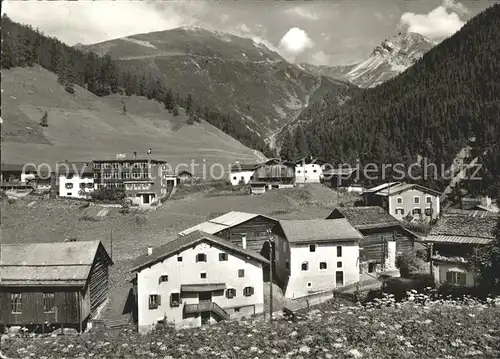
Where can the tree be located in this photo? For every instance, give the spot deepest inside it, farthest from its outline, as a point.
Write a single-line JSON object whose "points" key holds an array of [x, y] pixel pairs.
{"points": [[486, 261], [189, 103], [168, 101], [175, 111], [44, 121]]}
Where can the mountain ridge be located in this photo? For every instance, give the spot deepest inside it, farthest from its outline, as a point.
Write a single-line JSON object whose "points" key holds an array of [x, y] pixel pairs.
{"points": [[387, 60], [222, 70]]}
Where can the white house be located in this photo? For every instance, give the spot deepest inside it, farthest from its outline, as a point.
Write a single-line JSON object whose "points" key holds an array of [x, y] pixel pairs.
{"points": [[76, 180], [242, 173], [308, 171], [324, 254], [453, 240], [402, 200], [198, 279]]}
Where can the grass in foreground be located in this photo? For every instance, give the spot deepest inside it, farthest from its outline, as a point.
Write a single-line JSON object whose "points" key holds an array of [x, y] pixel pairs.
{"points": [[440, 329]]}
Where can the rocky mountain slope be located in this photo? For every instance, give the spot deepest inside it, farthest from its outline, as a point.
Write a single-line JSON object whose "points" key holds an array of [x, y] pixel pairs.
{"points": [[82, 126], [387, 60], [223, 71]]}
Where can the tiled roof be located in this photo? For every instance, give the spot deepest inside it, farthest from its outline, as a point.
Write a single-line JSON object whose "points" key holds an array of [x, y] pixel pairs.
{"points": [[403, 187], [463, 229], [60, 263], [366, 217], [243, 167], [381, 187], [319, 230], [182, 242], [469, 213], [227, 220]]}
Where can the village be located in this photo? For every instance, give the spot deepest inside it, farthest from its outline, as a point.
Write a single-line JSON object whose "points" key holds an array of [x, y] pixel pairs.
{"points": [[237, 264]]}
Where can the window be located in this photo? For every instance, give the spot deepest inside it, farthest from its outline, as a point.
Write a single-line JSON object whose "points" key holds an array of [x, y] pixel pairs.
{"points": [[201, 257], [16, 303], [234, 178], [400, 200], [312, 248], [248, 291], [400, 211], [203, 275], [69, 185], [428, 211], [223, 257], [305, 266], [48, 302], [230, 293], [314, 171], [96, 175], [339, 264], [175, 299], [82, 185], [154, 301], [339, 251], [416, 200], [428, 199], [163, 278], [372, 267], [90, 185], [298, 171], [97, 166], [457, 278], [287, 265], [309, 284], [322, 265], [241, 273], [417, 211], [69, 194], [179, 259], [260, 234]]}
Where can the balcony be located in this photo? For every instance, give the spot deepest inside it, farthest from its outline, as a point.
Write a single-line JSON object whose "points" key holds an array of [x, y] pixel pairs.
{"points": [[206, 307]]}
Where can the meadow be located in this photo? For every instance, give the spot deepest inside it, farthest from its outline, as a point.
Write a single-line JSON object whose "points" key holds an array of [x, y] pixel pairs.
{"points": [[415, 328]]}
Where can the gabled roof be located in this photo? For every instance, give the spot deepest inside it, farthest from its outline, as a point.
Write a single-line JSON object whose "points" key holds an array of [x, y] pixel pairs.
{"points": [[403, 187], [183, 242], [469, 213], [309, 160], [381, 187], [463, 229], [319, 230], [12, 167], [225, 221], [48, 264], [367, 217], [244, 167], [74, 168]]}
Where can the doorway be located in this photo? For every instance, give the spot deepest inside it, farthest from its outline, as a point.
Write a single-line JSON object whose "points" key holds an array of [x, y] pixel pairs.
{"points": [[205, 318], [339, 279], [204, 297]]}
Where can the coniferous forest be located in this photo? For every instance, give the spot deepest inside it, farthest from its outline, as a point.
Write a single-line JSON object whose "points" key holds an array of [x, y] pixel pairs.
{"points": [[448, 97], [24, 46]]}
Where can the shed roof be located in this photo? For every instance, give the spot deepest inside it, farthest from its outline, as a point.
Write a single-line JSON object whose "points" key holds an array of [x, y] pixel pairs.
{"points": [[47, 264], [319, 230], [244, 167], [225, 221], [463, 229], [366, 217], [183, 242]]}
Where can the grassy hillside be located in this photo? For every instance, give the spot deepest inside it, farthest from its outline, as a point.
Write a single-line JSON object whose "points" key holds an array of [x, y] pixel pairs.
{"points": [[84, 126]]}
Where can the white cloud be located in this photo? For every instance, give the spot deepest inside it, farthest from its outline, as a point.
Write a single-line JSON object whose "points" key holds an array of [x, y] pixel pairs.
{"points": [[295, 41], [89, 22], [301, 12], [439, 23]]}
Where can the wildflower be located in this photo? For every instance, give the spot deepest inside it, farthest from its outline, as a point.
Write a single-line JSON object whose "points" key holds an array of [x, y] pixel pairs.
{"points": [[355, 353]]}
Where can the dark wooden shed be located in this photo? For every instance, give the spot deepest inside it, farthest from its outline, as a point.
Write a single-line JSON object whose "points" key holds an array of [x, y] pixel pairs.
{"points": [[62, 284]]}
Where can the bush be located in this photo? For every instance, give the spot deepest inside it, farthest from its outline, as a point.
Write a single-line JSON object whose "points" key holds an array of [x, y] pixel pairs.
{"points": [[108, 194], [175, 111], [399, 286], [140, 219], [408, 264], [69, 89], [88, 218]]}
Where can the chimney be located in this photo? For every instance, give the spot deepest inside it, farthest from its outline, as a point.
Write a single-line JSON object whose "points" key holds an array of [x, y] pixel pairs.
{"points": [[150, 251], [488, 201], [244, 241]]}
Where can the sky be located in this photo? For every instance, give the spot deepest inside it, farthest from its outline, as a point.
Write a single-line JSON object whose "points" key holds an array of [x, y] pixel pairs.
{"points": [[319, 32]]}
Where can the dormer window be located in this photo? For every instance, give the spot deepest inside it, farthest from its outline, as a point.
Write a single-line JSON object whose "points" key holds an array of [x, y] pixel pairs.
{"points": [[201, 257]]}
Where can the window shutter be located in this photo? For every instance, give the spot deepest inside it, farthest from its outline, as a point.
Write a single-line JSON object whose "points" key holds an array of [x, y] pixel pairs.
{"points": [[463, 279], [159, 300], [449, 277], [251, 290]]}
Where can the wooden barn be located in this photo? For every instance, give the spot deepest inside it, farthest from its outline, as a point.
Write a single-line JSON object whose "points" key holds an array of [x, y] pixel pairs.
{"points": [[380, 231], [251, 231], [275, 171], [63, 284]]}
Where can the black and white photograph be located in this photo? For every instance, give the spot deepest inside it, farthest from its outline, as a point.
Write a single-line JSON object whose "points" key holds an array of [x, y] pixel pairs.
{"points": [[250, 179]]}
